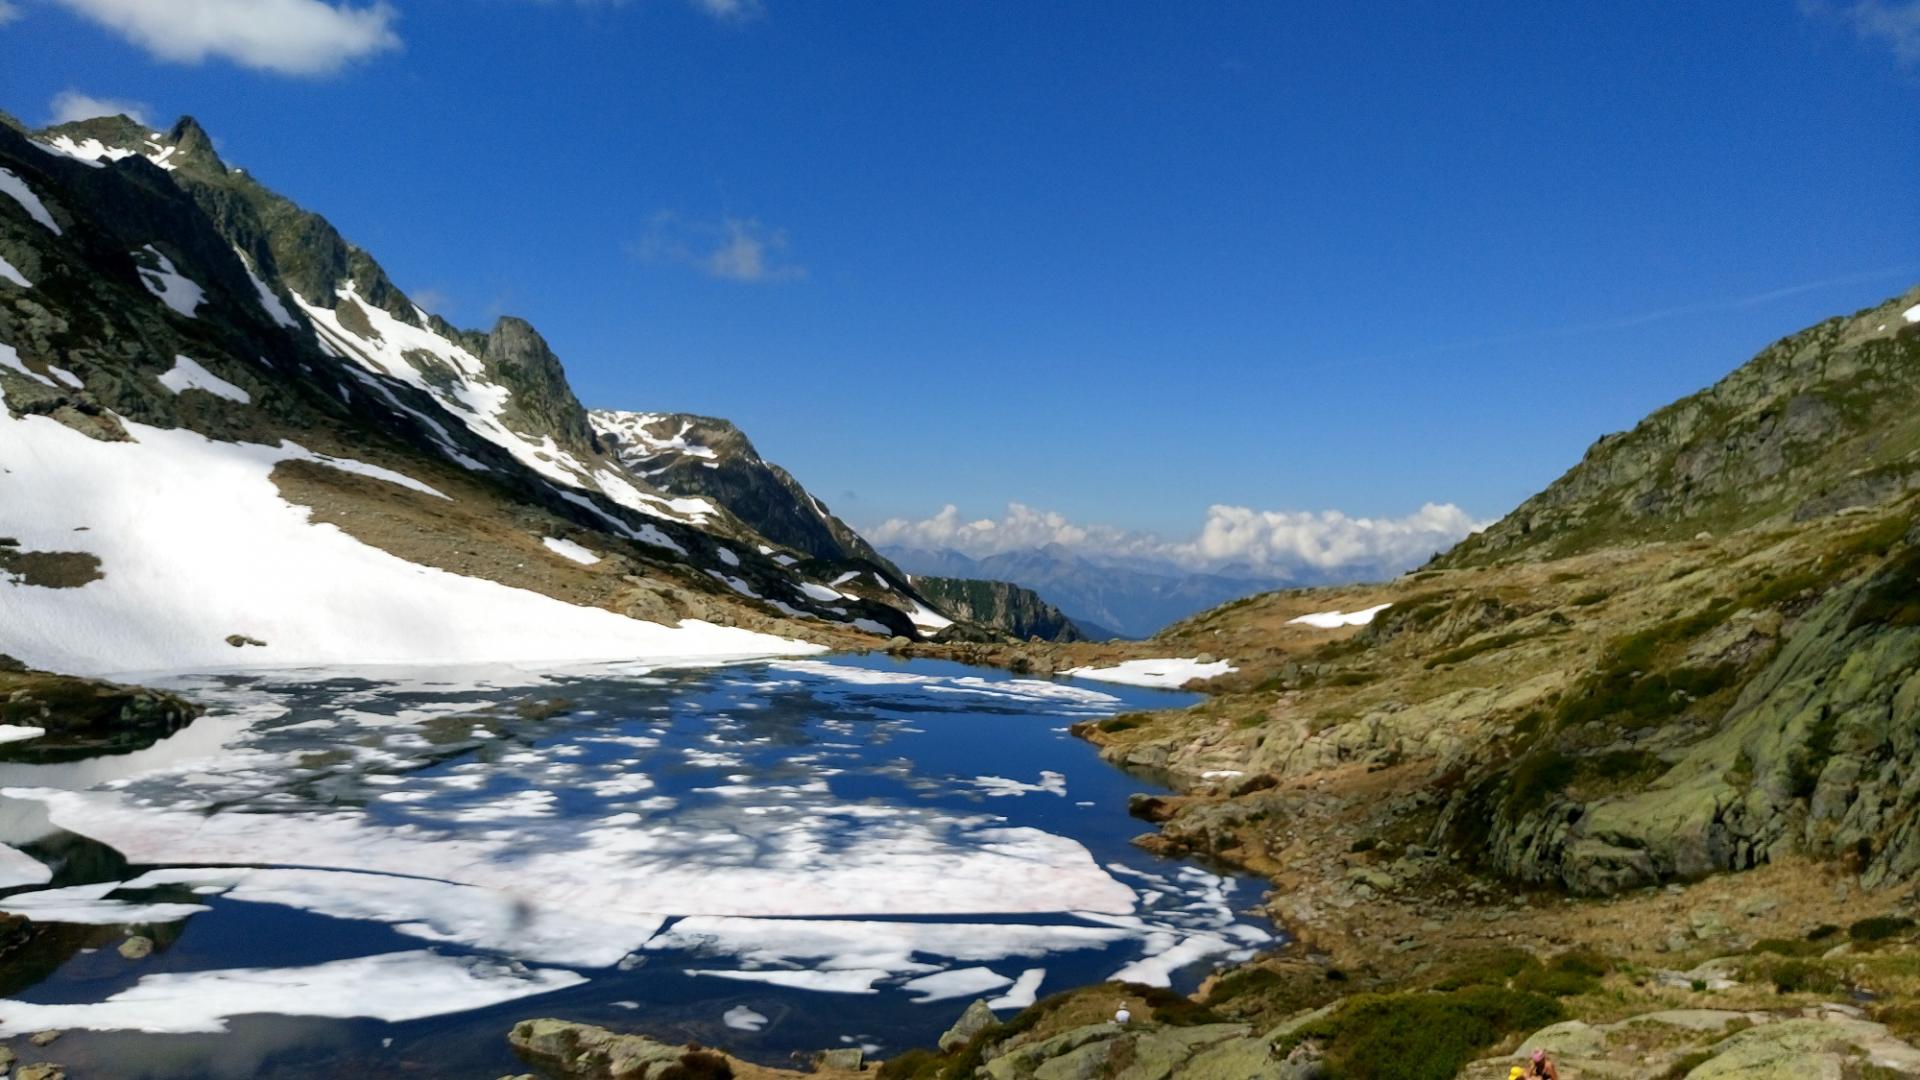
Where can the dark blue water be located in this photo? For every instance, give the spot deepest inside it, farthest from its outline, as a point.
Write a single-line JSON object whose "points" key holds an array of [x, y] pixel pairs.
{"points": [[539, 786]]}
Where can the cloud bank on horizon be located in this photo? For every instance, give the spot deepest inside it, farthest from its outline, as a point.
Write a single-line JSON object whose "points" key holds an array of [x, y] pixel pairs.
{"points": [[1277, 543]]}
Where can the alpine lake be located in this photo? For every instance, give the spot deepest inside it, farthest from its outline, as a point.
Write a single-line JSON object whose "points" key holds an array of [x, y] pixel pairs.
{"points": [[379, 871]]}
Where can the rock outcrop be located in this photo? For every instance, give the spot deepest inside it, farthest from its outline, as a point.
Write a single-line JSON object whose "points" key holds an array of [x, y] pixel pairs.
{"points": [[1001, 605]]}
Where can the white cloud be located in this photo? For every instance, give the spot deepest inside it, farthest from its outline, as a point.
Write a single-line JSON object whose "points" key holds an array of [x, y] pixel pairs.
{"points": [[8, 12], [290, 37], [70, 105], [732, 249], [730, 9], [1893, 23], [1281, 544]]}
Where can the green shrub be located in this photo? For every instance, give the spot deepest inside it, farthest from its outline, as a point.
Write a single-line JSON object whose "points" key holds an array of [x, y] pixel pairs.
{"points": [[1801, 977], [1174, 1010], [916, 1064], [1581, 962], [1123, 722], [1615, 766], [1789, 947], [1474, 648], [1570, 973], [1539, 980], [1241, 982], [1822, 932], [1629, 696], [1424, 1036], [1491, 968], [1879, 928], [1365, 843], [1589, 599]]}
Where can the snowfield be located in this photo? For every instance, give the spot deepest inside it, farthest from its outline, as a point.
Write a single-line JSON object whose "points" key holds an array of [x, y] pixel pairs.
{"points": [[1169, 674], [11, 184], [196, 544], [187, 374], [470, 397], [1333, 620], [9, 273]]}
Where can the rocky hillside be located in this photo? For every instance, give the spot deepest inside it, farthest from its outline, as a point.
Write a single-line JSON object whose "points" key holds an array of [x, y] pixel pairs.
{"points": [[1823, 421], [1616, 710], [1628, 778], [1002, 605], [230, 438]]}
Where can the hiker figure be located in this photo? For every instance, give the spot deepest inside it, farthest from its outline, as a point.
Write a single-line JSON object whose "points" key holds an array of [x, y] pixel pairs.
{"points": [[1542, 1067]]}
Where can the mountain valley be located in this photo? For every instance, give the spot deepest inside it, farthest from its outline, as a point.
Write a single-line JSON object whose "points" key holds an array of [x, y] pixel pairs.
{"points": [[1628, 775]]}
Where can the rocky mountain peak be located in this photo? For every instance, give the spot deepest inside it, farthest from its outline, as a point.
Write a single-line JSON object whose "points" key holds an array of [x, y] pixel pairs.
{"points": [[192, 142], [518, 358]]}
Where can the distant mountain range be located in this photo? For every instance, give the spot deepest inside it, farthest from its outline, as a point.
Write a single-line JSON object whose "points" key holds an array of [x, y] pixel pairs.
{"points": [[1105, 599]]}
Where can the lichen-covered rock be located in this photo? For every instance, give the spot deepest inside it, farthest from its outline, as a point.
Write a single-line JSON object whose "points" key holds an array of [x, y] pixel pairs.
{"points": [[976, 1019], [581, 1050]]}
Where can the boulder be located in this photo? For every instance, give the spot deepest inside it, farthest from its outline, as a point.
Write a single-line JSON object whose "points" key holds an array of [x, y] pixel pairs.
{"points": [[976, 1019], [582, 1050], [842, 1059]]}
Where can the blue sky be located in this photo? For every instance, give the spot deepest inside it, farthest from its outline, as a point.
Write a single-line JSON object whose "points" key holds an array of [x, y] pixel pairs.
{"points": [[1121, 261]]}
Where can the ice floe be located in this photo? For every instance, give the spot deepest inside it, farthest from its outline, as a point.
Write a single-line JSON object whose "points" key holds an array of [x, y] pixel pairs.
{"points": [[19, 868], [88, 904], [957, 982], [1023, 992], [389, 986]]}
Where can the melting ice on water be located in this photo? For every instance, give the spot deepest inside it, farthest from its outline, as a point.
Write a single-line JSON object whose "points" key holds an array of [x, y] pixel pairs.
{"points": [[814, 825]]}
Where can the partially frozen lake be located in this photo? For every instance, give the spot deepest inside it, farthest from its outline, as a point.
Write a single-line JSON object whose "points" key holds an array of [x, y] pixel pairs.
{"points": [[382, 871]]}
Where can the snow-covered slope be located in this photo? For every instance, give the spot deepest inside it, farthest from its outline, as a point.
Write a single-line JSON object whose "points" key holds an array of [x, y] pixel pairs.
{"points": [[221, 423], [195, 545]]}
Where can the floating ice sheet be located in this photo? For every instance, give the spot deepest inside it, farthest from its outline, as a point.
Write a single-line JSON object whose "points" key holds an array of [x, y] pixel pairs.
{"points": [[390, 986]]}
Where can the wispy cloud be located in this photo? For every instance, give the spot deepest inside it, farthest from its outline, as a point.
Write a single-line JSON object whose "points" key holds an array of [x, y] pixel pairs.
{"points": [[719, 10], [731, 249], [1892, 23], [1278, 543], [288, 37], [731, 10], [1623, 322], [70, 105], [432, 299], [8, 12]]}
